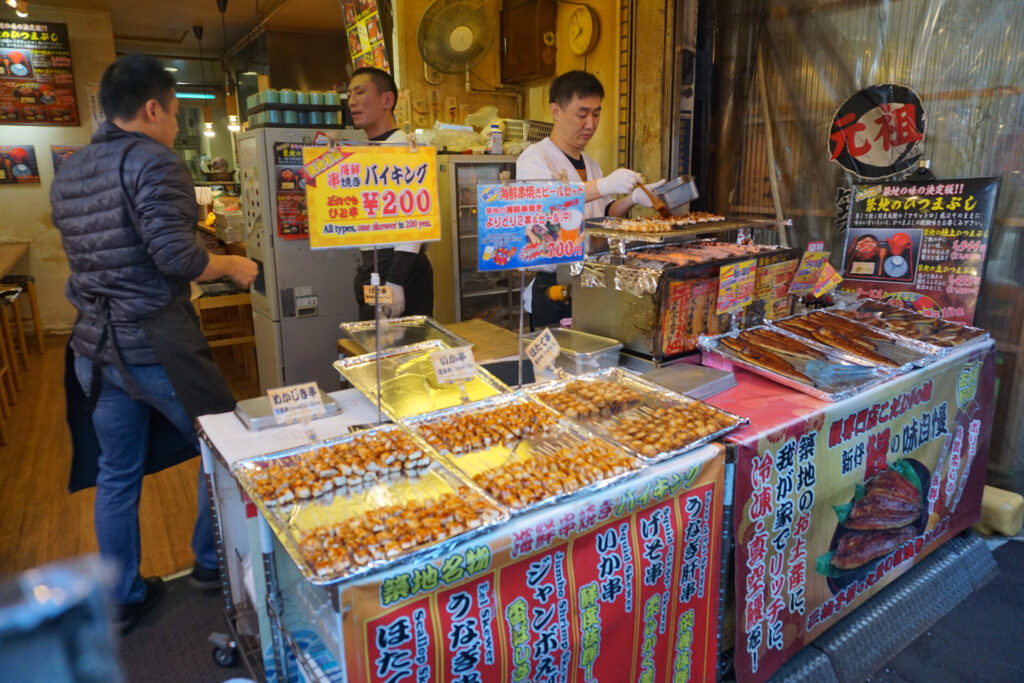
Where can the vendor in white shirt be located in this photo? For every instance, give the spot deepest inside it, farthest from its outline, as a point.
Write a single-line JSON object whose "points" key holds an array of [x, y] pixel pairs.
{"points": [[575, 100], [372, 95]]}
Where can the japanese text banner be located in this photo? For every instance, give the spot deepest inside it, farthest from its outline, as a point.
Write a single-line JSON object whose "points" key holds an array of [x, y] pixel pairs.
{"points": [[620, 585], [832, 507], [361, 196]]}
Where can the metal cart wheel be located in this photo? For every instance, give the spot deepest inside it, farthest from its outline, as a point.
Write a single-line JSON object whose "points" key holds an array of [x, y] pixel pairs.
{"points": [[226, 657]]}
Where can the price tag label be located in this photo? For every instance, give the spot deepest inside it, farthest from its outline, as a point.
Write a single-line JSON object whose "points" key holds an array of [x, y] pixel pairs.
{"points": [[543, 350], [296, 402], [807, 272], [452, 366], [736, 286], [828, 280], [373, 295]]}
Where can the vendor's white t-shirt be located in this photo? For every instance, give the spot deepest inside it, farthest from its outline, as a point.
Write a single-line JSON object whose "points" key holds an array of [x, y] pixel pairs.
{"points": [[545, 161]]}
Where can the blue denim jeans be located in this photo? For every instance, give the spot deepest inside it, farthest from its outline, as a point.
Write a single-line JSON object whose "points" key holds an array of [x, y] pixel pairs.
{"points": [[122, 426]]}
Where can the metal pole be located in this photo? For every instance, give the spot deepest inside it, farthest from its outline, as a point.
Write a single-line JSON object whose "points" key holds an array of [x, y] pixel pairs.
{"points": [[375, 279], [522, 313]]}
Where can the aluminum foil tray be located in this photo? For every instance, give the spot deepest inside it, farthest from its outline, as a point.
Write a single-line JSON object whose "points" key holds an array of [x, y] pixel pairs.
{"points": [[600, 227], [659, 430], [355, 512], [908, 353], [509, 468], [841, 385], [405, 331], [884, 316], [407, 382]]}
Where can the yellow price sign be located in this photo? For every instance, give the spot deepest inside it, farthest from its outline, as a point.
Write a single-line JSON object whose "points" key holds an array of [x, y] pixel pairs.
{"points": [[362, 196]]}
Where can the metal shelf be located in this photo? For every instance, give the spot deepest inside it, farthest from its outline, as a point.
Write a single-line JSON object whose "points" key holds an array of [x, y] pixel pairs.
{"points": [[490, 292]]}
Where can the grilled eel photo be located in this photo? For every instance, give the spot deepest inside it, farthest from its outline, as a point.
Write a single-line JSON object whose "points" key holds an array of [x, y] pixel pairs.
{"points": [[857, 548], [765, 359], [890, 502]]}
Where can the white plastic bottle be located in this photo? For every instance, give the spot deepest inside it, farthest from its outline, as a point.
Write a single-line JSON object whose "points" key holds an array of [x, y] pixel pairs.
{"points": [[494, 140]]}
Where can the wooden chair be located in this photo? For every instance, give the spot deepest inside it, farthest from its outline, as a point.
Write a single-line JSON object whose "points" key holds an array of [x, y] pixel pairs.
{"points": [[28, 285], [229, 323], [8, 297]]}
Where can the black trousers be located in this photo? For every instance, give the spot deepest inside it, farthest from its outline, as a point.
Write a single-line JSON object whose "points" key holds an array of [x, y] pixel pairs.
{"points": [[418, 282]]}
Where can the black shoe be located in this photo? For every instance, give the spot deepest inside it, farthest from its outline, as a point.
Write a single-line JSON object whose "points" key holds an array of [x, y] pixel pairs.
{"points": [[130, 613], [204, 579]]}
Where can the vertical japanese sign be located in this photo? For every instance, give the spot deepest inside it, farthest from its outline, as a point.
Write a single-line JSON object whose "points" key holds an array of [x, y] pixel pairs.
{"points": [[365, 34], [922, 245], [290, 190], [878, 132], [621, 585], [365, 196], [37, 86], [529, 223], [18, 165], [833, 507]]}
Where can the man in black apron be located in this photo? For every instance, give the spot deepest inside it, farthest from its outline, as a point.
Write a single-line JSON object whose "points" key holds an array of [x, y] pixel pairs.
{"points": [[139, 368]]}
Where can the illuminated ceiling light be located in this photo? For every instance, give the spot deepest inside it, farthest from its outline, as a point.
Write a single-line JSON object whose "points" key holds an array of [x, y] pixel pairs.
{"points": [[13, 4], [195, 96], [233, 124], [172, 69], [208, 122], [249, 73], [20, 8]]}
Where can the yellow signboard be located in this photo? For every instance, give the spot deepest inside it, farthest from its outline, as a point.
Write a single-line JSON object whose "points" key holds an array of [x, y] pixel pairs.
{"points": [[361, 196]]}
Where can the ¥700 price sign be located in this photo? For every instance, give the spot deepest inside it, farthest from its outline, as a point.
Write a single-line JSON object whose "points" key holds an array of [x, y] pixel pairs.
{"points": [[361, 196]]}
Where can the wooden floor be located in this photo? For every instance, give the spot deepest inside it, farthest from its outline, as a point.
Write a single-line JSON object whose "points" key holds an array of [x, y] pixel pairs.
{"points": [[42, 522]]}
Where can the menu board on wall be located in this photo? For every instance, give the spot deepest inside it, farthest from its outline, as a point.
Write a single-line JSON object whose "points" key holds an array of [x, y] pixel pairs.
{"points": [[922, 244], [36, 84], [365, 34], [18, 164]]}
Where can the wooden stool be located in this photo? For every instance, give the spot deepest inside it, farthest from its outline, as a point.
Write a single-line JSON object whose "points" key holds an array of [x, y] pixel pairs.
{"points": [[7, 299], [7, 397], [234, 329], [28, 284]]}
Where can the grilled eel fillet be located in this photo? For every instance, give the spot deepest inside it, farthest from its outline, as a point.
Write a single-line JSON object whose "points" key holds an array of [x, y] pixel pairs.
{"points": [[765, 359], [856, 548], [838, 340], [780, 343]]}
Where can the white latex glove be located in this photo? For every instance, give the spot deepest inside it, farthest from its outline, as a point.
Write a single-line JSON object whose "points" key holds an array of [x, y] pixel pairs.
{"points": [[619, 181], [640, 197], [397, 305]]}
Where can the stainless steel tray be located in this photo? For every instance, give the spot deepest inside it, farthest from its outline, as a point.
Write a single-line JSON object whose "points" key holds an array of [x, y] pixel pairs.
{"points": [[879, 322], [405, 331], [599, 227], [290, 520], [565, 434], [909, 353], [407, 382], [823, 390], [654, 397]]}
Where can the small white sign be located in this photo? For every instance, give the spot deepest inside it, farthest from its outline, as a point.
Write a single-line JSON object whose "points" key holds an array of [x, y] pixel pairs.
{"points": [[296, 402], [543, 350], [452, 366], [373, 295]]}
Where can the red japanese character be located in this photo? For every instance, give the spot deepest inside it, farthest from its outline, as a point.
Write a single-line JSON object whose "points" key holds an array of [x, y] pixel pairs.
{"points": [[846, 137], [897, 127]]}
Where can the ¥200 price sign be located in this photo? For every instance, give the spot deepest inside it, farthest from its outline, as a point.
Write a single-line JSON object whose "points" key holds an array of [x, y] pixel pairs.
{"points": [[295, 402], [361, 196]]}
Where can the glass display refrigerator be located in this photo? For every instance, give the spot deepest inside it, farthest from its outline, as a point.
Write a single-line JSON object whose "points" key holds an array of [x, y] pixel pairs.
{"points": [[461, 292]]}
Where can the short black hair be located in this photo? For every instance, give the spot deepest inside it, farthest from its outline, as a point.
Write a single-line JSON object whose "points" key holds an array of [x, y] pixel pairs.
{"points": [[382, 80], [130, 82], [579, 83]]}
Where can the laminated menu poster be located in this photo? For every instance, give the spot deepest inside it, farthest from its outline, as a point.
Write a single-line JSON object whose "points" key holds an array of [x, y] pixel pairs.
{"points": [[528, 223], [620, 585], [18, 165], [290, 189], [365, 34], [362, 196], [37, 86], [832, 507], [921, 244]]}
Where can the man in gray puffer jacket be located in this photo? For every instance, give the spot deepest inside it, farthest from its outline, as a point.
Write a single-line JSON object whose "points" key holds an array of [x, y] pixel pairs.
{"points": [[126, 209]]}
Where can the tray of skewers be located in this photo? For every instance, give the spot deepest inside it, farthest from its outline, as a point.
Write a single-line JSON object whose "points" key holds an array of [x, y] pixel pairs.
{"points": [[823, 372], [522, 453], [649, 421], [353, 504], [871, 344], [910, 324]]}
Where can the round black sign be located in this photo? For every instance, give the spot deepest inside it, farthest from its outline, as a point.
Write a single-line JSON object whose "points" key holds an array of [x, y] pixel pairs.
{"points": [[877, 132]]}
